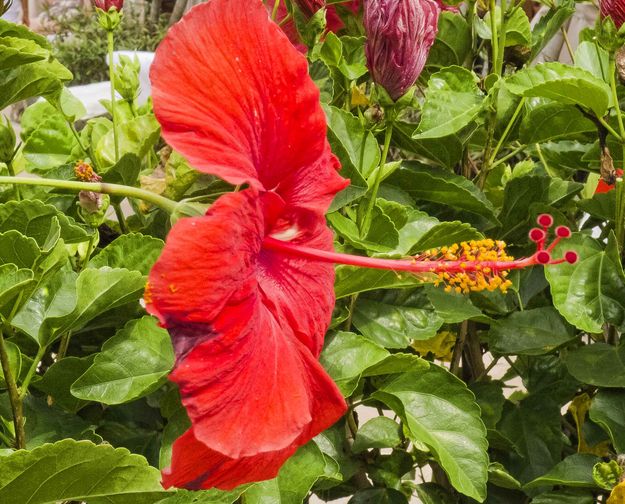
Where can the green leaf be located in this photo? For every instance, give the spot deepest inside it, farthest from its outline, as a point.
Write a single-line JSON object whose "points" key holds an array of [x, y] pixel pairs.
{"points": [[608, 411], [499, 476], [14, 357], [59, 378], [550, 24], [574, 471], [294, 481], [422, 232], [594, 59], [554, 121], [439, 411], [37, 219], [523, 192], [445, 152], [489, 397], [213, 496], [453, 42], [378, 496], [379, 432], [68, 302], [589, 292], [518, 30], [48, 140], [351, 280], [431, 184], [132, 251], [452, 307], [565, 496], [530, 332], [16, 51], [17, 249], [77, 470], [8, 29], [356, 148], [381, 237], [132, 364], [124, 172], [564, 84], [346, 356], [394, 326], [12, 281], [598, 364], [453, 100], [136, 136], [533, 427]]}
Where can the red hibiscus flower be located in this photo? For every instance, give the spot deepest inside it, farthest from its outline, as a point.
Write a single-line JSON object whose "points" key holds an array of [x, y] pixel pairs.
{"points": [[615, 9], [604, 187], [234, 96], [246, 291]]}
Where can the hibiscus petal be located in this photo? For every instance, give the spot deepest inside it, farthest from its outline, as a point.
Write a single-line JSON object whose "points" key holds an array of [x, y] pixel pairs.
{"points": [[247, 325], [234, 96]]}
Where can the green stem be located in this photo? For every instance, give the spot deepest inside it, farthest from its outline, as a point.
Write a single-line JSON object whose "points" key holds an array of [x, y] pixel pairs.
{"points": [[14, 396], [620, 186], [111, 45], [366, 222], [508, 156], [121, 219], [16, 188], [506, 132], [98, 187], [31, 372], [274, 11], [568, 44], [501, 45], [64, 345], [494, 41], [610, 129]]}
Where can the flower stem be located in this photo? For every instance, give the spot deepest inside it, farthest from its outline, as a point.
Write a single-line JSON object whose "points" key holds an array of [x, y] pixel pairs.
{"points": [[501, 44], [620, 189], [98, 187], [16, 188], [366, 222], [31, 372], [408, 265], [509, 127], [494, 41], [111, 45], [121, 219], [14, 396]]}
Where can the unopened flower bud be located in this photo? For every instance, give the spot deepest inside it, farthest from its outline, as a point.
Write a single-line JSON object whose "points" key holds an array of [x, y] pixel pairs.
{"points": [[92, 207], [106, 5], [127, 78], [615, 9], [7, 140], [400, 34]]}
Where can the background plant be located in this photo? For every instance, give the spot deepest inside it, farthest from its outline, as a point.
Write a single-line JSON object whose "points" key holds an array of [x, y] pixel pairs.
{"points": [[486, 144]]}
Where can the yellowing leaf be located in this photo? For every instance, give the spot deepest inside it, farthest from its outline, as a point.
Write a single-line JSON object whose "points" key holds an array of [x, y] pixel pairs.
{"points": [[441, 345]]}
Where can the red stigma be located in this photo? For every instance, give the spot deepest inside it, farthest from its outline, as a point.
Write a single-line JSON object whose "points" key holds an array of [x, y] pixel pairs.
{"points": [[543, 257], [571, 256], [537, 235], [545, 220], [563, 232]]}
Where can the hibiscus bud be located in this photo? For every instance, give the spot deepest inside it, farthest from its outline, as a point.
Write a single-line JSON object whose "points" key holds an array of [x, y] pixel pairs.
{"points": [[127, 78], [106, 5], [400, 34], [7, 140], [615, 9]]}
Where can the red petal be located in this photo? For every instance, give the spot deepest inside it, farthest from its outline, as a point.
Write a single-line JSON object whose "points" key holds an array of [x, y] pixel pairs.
{"points": [[604, 187], [234, 96], [247, 326]]}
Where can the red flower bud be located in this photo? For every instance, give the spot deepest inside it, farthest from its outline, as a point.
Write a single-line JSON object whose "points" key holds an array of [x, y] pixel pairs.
{"points": [[106, 5], [400, 34], [615, 9]]}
